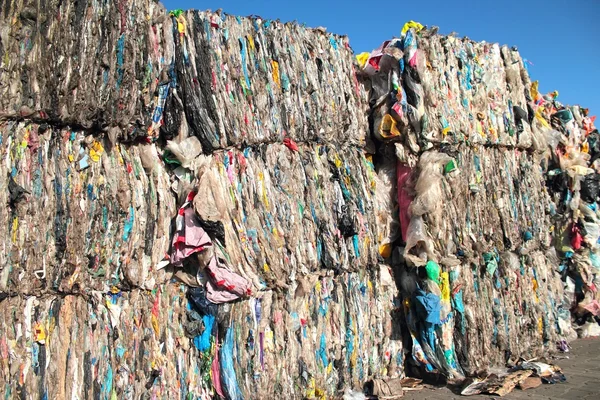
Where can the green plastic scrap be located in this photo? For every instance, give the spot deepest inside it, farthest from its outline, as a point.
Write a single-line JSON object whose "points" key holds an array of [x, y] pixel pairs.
{"points": [[449, 167], [176, 13], [170, 159], [433, 271], [490, 263]]}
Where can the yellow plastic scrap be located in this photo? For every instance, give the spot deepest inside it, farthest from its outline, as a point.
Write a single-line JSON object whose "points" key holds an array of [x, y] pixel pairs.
{"points": [[96, 151], [535, 288], [276, 79], [411, 25], [25, 140], [73, 277], [445, 286], [534, 90], [310, 391], [354, 355], [51, 324], [539, 117], [385, 250], [388, 127], [270, 340], [40, 333], [585, 148], [181, 24], [338, 162], [362, 59], [480, 129], [155, 325], [15, 229], [493, 133], [121, 162], [320, 394]]}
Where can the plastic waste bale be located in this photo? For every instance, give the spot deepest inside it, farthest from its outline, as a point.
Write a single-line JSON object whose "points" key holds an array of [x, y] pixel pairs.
{"points": [[335, 332], [123, 344], [104, 188], [87, 64], [265, 81], [227, 80], [81, 214]]}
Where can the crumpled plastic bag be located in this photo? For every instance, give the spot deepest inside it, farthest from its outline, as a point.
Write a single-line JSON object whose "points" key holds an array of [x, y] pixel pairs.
{"points": [[186, 151], [427, 188], [419, 246]]}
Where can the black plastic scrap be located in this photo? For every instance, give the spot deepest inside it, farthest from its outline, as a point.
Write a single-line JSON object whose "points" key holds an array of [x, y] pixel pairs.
{"points": [[16, 192]]}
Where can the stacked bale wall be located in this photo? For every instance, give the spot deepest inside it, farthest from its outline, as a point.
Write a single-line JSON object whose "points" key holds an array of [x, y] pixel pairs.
{"points": [[113, 112]]}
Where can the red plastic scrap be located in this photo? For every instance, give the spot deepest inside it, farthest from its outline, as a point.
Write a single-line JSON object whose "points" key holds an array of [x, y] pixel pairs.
{"points": [[290, 144]]}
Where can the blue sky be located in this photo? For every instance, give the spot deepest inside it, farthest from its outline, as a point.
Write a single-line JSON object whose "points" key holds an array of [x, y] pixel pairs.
{"points": [[561, 38]]}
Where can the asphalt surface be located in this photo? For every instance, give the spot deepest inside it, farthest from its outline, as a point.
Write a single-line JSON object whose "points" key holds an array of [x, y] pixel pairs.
{"points": [[582, 369]]}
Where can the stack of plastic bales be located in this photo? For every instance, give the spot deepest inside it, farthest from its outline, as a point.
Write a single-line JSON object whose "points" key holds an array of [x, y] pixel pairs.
{"points": [[190, 211], [194, 206], [573, 179], [479, 274]]}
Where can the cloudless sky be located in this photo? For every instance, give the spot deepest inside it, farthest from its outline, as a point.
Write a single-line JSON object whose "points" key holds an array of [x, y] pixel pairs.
{"points": [[561, 38]]}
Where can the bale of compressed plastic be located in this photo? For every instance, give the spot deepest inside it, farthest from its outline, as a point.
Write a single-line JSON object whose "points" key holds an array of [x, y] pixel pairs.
{"points": [[80, 213], [491, 211], [245, 81], [101, 167], [87, 64]]}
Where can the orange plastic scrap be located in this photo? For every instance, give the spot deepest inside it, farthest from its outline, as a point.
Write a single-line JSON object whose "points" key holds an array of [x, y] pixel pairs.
{"points": [[585, 148]]}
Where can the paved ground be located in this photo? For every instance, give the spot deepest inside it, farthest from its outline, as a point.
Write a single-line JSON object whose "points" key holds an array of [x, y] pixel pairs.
{"points": [[582, 370]]}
